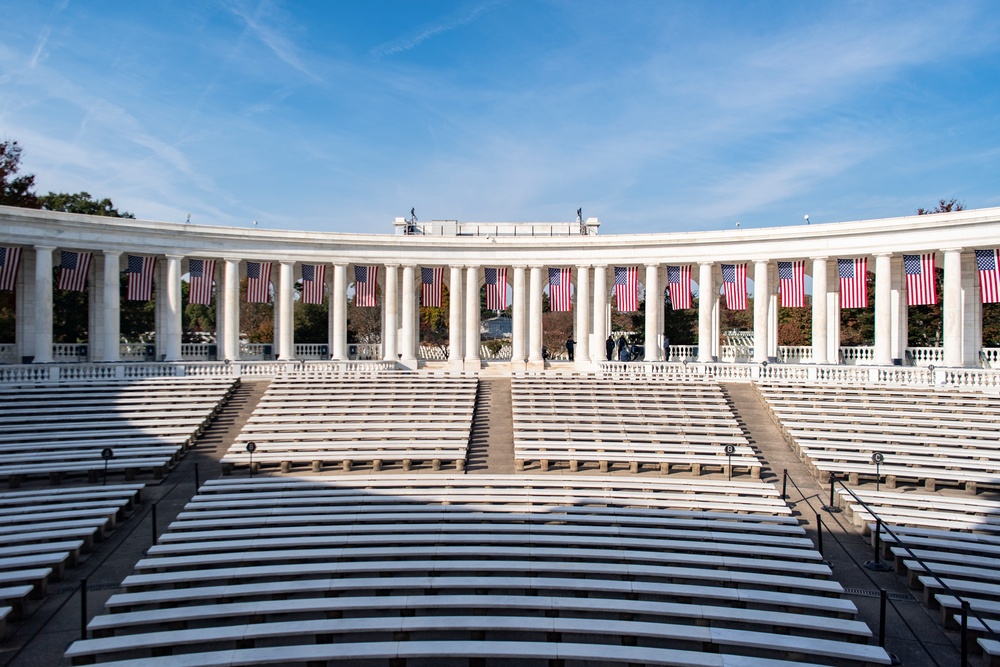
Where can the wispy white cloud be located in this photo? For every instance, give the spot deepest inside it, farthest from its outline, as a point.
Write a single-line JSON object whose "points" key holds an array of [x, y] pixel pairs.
{"points": [[434, 30], [263, 23]]}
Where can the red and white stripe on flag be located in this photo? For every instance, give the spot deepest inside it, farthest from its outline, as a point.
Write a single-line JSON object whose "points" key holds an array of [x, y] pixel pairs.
{"points": [[734, 286], [627, 288], [431, 279], [988, 264], [201, 276], [365, 284], [258, 282], [853, 282], [313, 281], [140, 272], [10, 260], [496, 288], [792, 283], [73, 270], [679, 284], [920, 287], [559, 292]]}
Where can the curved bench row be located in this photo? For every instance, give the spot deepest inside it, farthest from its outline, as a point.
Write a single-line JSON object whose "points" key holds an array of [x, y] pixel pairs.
{"points": [[616, 570]]}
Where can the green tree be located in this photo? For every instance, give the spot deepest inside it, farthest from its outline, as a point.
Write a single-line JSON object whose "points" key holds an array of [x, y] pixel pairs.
{"points": [[81, 202], [15, 190]]}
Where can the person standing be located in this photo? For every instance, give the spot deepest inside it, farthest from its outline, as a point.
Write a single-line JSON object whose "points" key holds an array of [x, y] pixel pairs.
{"points": [[609, 347], [570, 347]]}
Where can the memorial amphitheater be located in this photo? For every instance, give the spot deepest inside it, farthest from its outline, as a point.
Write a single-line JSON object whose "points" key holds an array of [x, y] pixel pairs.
{"points": [[732, 503]]}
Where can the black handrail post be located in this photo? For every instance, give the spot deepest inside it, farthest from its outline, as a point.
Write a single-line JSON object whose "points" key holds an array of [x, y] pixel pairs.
{"points": [[154, 523], [83, 608], [819, 533], [784, 484], [965, 633], [881, 616], [831, 507], [877, 565], [197, 481]]}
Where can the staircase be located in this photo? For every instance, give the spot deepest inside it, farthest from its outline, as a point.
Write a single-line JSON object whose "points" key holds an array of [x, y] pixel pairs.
{"points": [[491, 439], [215, 441]]}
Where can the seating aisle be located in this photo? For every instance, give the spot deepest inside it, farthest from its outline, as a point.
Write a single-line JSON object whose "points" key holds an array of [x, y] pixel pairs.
{"points": [[367, 569]]}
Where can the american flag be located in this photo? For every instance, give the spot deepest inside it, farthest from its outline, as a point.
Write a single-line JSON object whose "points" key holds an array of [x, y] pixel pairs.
{"points": [[920, 287], [734, 286], [853, 282], [988, 263], [792, 283], [313, 281], [10, 259], [559, 281], [365, 282], [496, 289], [73, 270], [140, 277], [202, 275], [431, 279], [258, 282], [679, 284], [627, 288]]}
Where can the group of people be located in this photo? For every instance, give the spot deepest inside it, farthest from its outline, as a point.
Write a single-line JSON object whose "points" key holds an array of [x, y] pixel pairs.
{"points": [[626, 349]]}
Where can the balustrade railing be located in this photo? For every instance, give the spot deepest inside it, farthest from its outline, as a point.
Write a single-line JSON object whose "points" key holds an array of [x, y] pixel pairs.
{"points": [[861, 354], [69, 352], [989, 357], [137, 352], [364, 351], [795, 354], [199, 351], [679, 353], [256, 351], [735, 353], [312, 351], [925, 356]]}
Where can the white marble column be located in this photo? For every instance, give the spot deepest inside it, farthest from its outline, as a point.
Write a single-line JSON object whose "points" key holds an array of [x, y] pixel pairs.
{"points": [[518, 319], [338, 315], [173, 325], [112, 305], [390, 324], [535, 316], [883, 310], [898, 322], [455, 348], [654, 308], [231, 308], [819, 325], [706, 305], [408, 340], [43, 304], [24, 307], [951, 306], [761, 302], [599, 353], [284, 311], [472, 336], [582, 352]]}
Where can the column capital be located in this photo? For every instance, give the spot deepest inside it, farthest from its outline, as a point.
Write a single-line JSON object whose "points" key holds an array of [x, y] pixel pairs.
{"points": [[583, 266], [952, 250], [391, 265], [761, 261], [287, 262], [170, 255], [707, 263], [519, 266], [820, 258], [232, 259], [883, 254], [50, 248], [652, 265], [113, 253]]}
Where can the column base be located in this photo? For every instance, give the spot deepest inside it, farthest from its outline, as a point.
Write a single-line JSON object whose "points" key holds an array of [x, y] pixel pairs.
{"points": [[410, 364], [519, 366], [473, 365], [535, 366]]}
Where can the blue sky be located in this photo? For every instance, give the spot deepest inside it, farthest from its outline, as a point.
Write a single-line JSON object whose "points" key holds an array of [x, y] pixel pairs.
{"points": [[652, 116]]}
